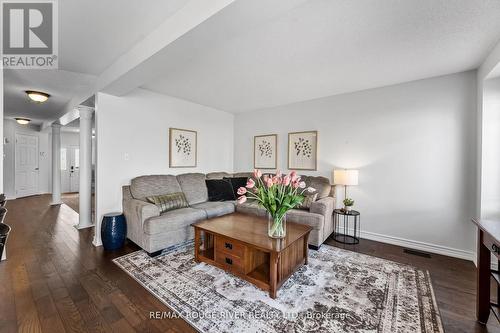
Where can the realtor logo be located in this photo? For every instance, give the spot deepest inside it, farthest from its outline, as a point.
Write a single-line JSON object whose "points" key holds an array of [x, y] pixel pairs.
{"points": [[29, 34]]}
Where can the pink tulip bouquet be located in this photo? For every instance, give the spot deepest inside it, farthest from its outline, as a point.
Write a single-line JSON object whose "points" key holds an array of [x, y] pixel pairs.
{"points": [[277, 194]]}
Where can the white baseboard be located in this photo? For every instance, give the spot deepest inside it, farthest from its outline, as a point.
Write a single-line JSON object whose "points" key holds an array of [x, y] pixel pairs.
{"points": [[417, 245], [79, 227], [96, 242], [9, 197]]}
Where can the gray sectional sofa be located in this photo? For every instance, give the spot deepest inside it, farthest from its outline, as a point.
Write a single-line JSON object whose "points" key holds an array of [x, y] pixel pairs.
{"points": [[154, 232]]}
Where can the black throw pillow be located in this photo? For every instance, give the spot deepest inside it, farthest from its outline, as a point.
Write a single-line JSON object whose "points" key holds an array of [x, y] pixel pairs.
{"points": [[236, 183], [219, 190]]}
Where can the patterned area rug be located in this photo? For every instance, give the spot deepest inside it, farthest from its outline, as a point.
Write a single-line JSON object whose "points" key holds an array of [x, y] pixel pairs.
{"points": [[339, 291]]}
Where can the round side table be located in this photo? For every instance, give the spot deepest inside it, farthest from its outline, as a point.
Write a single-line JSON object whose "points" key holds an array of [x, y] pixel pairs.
{"points": [[113, 231], [341, 231]]}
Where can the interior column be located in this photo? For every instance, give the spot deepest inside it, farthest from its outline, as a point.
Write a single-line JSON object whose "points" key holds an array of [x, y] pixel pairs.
{"points": [[85, 167], [56, 164]]}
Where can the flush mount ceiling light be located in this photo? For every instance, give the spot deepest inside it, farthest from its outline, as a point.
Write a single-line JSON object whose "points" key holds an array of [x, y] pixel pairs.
{"points": [[22, 121], [37, 96]]}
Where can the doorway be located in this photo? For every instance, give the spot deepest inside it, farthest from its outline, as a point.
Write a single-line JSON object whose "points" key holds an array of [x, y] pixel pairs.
{"points": [[70, 169], [27, 168]]}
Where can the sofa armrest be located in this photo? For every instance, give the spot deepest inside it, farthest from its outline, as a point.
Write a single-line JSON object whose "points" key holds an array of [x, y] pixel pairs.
{"points": [[140, 210], [324, 206]]}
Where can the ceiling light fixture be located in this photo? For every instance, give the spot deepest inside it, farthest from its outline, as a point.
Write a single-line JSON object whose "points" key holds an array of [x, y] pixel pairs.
{"points": [[22, 121], [37, 96]]}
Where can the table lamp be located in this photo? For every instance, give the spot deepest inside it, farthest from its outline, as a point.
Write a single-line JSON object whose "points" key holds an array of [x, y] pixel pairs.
{"points": [[346, 178]]}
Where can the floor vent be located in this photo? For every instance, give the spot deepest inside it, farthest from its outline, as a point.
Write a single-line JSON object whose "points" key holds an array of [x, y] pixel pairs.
{"points": [[417, 253]]}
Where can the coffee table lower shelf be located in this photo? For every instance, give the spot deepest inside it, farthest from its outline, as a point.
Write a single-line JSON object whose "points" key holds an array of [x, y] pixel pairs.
{"points": [[266, 269]]}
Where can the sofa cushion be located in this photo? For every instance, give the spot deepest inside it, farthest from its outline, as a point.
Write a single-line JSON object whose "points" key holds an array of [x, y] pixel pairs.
{"points": [[320, 184], [167, 202], [304, 217], [144, 186], [219, 190], [217, 175], [251, 207], [194, 187], [173, 220], [309, 198], [214, 209]]}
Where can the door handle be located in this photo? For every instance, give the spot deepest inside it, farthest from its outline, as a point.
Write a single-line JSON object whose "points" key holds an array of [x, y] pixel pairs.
{"points": [[36, 169]]}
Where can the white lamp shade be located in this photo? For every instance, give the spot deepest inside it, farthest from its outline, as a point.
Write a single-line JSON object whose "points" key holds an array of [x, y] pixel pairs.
{"points": [[345, 177]]}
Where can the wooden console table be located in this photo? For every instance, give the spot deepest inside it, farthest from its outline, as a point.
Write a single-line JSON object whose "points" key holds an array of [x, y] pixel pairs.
{"points": [[488, 242], [239, 244]]}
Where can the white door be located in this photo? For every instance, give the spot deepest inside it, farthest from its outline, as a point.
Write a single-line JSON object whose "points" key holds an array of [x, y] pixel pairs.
{"points": [[74, 169], [70, 169], [26, 165]]}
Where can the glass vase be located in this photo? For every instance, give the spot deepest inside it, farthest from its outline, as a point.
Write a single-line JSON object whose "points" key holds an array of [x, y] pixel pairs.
{"points": [[276, 226]]}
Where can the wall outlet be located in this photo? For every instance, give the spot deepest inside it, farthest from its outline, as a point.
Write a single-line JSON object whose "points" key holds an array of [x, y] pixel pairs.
{"points": [[126, 157]]}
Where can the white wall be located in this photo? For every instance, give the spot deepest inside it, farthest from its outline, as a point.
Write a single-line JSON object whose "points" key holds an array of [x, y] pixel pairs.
{"points": [[132, 139], [70, 139], [490, 188], [2, 154], [490, 63], [415, 147], [10, 128]]}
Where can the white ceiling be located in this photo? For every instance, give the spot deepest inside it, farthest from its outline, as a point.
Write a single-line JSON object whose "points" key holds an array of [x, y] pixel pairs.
{"points": [[92, 35], [255, 54], [61, 85], [325, 47]]}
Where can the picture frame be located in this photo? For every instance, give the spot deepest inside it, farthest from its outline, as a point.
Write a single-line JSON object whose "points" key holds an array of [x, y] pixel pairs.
{"points": [[183, 150], [265, 151], [303, 150]]}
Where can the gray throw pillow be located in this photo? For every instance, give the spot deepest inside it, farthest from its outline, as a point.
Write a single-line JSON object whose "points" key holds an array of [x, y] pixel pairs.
{"points": [[168, 202], [308, 200]]}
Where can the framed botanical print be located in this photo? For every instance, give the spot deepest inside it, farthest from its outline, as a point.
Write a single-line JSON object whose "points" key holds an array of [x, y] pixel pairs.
{"points": [[265, 154], [303, 150], [182, 148]]}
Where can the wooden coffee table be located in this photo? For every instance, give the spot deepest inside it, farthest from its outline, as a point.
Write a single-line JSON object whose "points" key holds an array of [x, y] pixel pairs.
{"points": [[238, 243]]}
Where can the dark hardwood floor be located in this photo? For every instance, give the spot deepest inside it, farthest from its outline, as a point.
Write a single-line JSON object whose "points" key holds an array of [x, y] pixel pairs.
{"points": [[73, 201], [55, 280]]}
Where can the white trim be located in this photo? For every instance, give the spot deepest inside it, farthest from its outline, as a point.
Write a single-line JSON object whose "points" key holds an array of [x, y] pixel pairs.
{"points": [[95, 241], [417, 245], [18, 133], [14, 197], [79, 227]]}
